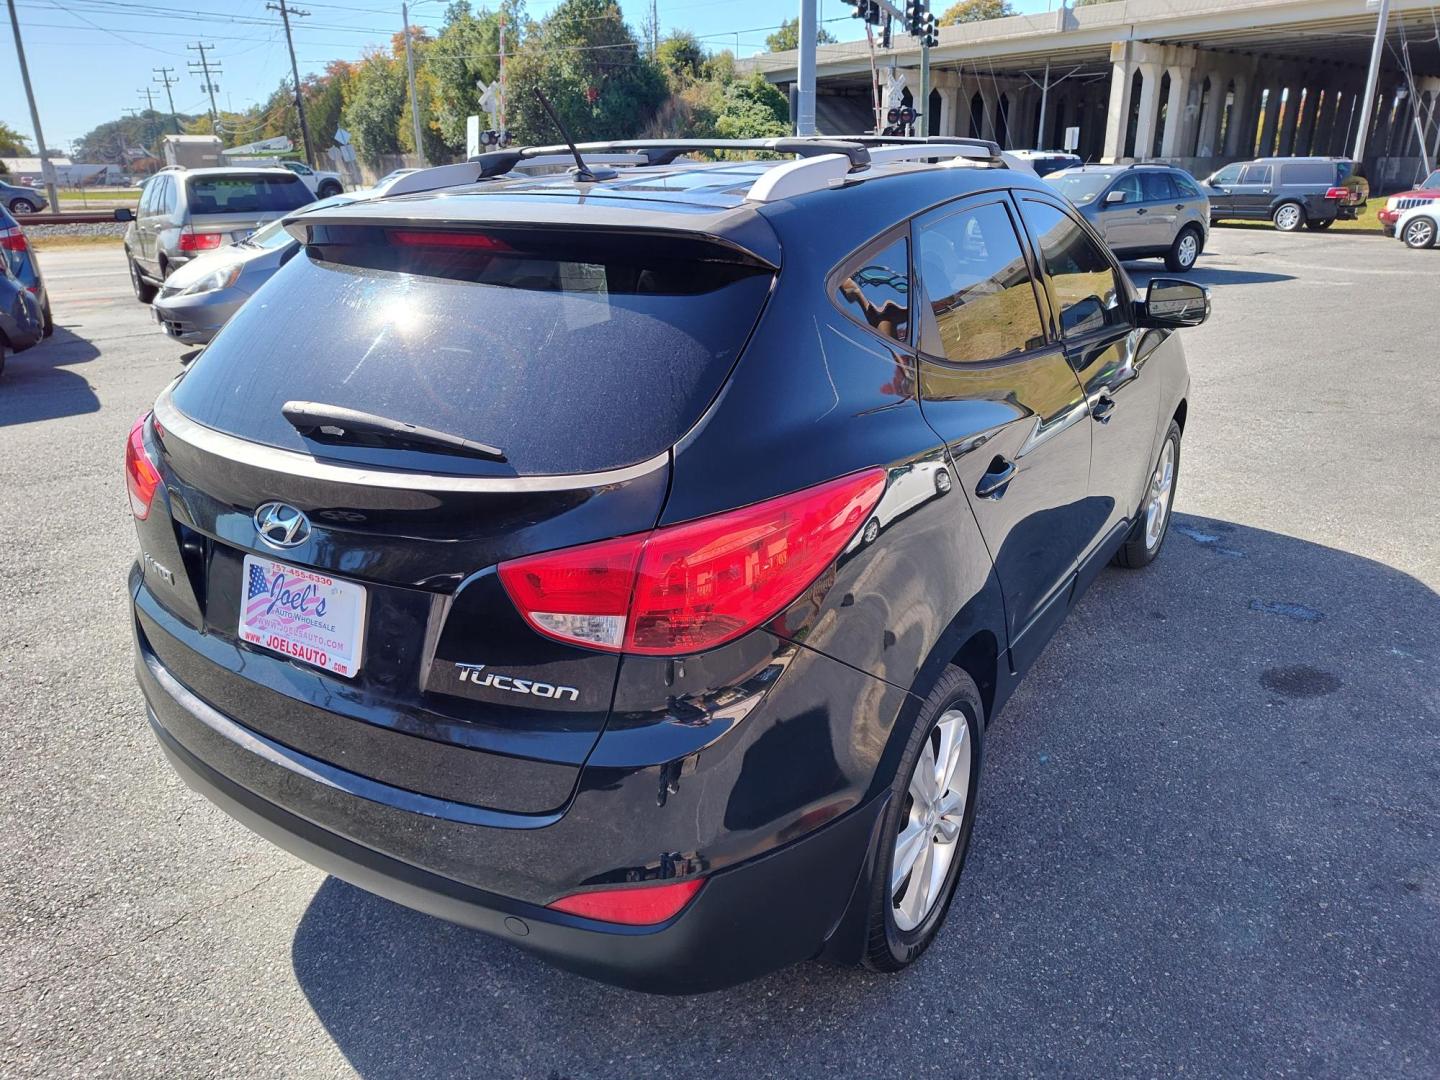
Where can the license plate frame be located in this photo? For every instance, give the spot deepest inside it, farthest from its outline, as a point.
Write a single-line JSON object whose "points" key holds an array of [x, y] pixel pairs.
{"points": [[305, 615]]}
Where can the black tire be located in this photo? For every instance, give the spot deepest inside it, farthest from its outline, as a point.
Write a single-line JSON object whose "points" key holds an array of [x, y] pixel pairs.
{"points": [[1181, 256], [4, 351], [49, 320], [1420, 233], [325, 191], [889, 948], [1139, 549], [1288, 217], [1319, 226], [22, 206], [144, 291]]}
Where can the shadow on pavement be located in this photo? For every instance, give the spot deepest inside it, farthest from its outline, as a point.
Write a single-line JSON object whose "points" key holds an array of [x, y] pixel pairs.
{"points": [[1206, 845], [36, 384], [1202, 274]]}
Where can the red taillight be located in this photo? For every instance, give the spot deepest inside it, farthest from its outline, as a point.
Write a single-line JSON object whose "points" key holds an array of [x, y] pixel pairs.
{"points": [[12, 240], [642, 905], [1337, 193], [471, 240], [141, 476], [205, 241], [690, 587]]}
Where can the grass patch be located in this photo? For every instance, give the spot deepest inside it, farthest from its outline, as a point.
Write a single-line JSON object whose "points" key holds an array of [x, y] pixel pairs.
{"points": [[1365, 221], [41, 242]]}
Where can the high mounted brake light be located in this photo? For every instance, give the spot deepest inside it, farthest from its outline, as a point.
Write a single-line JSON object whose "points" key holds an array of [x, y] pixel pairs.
{"points": [[685, 588], [471, 240], [141, 477]]}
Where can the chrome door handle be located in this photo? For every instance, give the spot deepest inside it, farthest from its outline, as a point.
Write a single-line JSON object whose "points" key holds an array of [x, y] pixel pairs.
{"points": [[997, 479]]}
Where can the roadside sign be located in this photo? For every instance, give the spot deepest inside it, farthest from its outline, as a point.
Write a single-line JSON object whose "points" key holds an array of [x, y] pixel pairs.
{"points": [[1072, 138]]}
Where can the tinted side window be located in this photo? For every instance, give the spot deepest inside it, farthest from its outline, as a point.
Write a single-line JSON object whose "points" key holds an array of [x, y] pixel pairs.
{"points": [[167, 197], [147, 197], [1230, 174], [1130, 185], [1255, 174], [982, 300], [1310, 172], [874, 289], [1187, 187], [1158, 187], [1086, 290]]}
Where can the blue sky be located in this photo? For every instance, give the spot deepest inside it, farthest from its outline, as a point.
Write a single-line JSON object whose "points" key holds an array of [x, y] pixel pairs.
{"points": [[89, 59]]}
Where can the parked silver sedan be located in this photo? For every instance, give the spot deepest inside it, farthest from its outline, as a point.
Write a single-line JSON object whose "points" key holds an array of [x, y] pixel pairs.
{"points": [[198, 298]]}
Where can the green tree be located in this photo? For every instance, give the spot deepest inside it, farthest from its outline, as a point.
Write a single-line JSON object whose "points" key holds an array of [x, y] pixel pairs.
{"points": [[968, 11], [788, 37], [681, 58], [752, 109], [12, 143], [374, 98], [465, 52], [588, 63]]}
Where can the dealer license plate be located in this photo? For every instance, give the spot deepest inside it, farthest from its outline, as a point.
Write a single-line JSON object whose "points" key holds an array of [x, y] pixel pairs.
{"points": [[303, 614]]}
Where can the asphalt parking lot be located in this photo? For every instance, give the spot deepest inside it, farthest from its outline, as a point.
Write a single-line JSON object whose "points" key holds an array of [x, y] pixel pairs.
{"points": [[1209, 834]]}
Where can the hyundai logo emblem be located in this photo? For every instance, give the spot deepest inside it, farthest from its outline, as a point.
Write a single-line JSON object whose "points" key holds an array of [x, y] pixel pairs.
{"points": [[281, 525]]}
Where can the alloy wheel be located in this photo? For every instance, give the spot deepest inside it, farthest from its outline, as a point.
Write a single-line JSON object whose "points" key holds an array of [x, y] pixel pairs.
{"points": [[22, 206], [1287, 217], [1157, 506], [929, 836], [1420, 233], [1188, 250]]}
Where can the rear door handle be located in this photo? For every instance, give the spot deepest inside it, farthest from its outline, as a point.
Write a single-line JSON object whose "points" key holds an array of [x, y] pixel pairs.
{"points": [[1142, 210], [997, 479], [1103, 407]]}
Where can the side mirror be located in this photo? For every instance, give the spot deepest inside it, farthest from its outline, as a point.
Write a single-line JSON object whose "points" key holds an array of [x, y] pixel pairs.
{"points": [[1171, 303], [124, 213], [1114, 198]]}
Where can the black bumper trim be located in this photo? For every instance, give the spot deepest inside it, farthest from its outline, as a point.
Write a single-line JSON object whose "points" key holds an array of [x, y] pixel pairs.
{"points": [[773, 911]]}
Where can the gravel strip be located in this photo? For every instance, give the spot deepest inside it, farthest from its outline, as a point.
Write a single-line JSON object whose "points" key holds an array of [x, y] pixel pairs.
{"points": [[103, 228]]}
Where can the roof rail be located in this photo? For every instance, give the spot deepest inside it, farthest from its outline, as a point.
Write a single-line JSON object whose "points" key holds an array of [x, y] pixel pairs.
{"points": [[991, 148]]}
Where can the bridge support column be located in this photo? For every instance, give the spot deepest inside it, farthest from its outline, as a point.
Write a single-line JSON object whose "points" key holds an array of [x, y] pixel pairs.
{"points": [[1286, 145], [1244, 117], [1268, 121], [1149, 114], [1177, 112], [1117, 118]]}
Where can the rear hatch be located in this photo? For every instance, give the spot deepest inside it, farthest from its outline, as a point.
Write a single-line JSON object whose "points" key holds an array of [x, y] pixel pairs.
{"points": [[579, 359], [234, 205]]}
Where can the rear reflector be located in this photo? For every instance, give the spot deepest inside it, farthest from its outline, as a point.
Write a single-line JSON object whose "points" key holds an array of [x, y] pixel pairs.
{"points": [[690, 587], [472, 240], [141, 476], [190, 241], [644, 905]]}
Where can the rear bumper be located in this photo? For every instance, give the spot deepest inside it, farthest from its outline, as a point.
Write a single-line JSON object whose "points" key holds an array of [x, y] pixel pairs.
{"points": [[745, 922], [785, 903]]}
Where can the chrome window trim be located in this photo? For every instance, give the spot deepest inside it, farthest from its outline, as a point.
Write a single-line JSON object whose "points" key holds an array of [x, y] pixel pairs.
{"points": [[222, 444]]}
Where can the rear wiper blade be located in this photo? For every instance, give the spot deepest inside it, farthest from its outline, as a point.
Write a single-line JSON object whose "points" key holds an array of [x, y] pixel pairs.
{"points": [[335, 424]]}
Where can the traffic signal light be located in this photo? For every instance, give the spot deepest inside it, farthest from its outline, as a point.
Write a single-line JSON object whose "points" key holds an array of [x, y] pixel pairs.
{"points": [[931, 35], [869, 10], [914, 16], [885, 33]]}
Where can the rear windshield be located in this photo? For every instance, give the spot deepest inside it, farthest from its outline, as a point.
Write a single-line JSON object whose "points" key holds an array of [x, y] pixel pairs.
{"points": [[246, 194], [569, 355]]}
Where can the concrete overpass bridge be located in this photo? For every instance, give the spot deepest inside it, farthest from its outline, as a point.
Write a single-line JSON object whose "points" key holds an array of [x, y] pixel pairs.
{"points": [[1196, 82]]}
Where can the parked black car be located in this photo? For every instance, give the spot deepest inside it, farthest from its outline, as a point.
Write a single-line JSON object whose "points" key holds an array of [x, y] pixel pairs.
{"points": [[22, 323], [1292, 192], [16, 251], [615, 573]]}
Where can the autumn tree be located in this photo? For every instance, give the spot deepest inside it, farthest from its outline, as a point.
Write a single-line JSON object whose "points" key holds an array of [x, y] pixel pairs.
{"points": [[968, 11], [788, 37]]}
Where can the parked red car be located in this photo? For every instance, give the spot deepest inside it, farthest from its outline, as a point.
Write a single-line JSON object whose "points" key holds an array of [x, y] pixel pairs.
{"points": [[1427, 191]]}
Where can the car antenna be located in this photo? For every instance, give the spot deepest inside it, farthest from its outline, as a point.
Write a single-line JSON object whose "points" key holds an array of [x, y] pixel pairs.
{"points": [[581, 172]]}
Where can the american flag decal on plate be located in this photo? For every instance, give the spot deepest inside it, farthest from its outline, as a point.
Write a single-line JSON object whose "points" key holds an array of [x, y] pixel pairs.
{"points": [[303, 614]]}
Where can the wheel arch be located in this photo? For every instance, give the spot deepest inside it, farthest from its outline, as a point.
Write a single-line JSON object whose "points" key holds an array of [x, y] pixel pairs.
{"points": [[1180, 413]]}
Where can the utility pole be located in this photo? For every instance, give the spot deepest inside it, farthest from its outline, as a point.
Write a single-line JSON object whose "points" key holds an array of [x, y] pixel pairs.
{"points": [[1372, 80], [285, 12], [500, 112], [805, 76], [46, 170], [166, 77], [203, 68], [410, 74]]}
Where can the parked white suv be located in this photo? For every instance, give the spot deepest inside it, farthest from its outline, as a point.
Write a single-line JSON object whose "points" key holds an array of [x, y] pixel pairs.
{"points": [[321, 184]]}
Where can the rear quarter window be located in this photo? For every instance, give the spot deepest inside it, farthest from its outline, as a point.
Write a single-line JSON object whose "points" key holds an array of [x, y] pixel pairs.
{"points": [[1310, 172], [571, 355], [246, 194]]}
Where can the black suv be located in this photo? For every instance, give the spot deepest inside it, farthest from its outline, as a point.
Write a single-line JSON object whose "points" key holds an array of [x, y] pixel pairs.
{"points": [[1290, 192], [628, 565]]}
